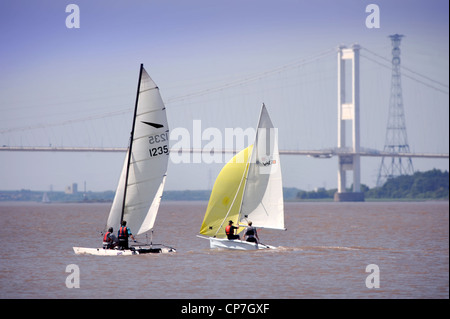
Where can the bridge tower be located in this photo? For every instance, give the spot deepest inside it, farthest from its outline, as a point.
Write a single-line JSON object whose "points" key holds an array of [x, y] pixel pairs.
{"points": [[348, 112], [396, 140]]}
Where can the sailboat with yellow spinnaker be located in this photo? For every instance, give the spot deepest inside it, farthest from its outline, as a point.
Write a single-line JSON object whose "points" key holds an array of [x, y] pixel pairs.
{"points": [[249, 187]]}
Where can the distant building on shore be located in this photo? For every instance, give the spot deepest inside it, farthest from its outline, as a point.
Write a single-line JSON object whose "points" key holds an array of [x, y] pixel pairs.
{"points": [[72, 189]]}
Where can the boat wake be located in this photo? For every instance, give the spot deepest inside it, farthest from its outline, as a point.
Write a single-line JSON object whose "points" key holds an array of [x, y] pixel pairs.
{"points": [[328, 248]]}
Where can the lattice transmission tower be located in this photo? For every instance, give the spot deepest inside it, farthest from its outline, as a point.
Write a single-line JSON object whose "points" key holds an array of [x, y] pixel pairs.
{"points": [[396, 138]]}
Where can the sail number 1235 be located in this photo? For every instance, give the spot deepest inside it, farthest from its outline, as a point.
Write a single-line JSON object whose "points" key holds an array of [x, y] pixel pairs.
{"points": [[155, 151], [156, 139]]}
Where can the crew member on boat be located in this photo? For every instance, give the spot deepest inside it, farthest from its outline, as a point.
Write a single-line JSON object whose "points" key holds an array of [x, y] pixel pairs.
{"points": [[109, 239], [250, 233], [229, 230], [124, 233]]}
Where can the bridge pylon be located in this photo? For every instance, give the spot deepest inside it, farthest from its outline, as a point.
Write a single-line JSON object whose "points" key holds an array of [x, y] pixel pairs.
{"points": [[348, 112]]}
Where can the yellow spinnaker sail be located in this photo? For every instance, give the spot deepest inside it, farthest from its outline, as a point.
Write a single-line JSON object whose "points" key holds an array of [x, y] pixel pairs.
{"points": [[226, 196]]}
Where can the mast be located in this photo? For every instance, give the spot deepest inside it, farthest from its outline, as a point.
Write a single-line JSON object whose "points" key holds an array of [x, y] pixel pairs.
{"points": [[130, 148], [248, 169]]}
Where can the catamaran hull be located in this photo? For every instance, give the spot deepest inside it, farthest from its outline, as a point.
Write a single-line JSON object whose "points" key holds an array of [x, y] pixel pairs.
{"points": [[126, 252], [235, 244]]}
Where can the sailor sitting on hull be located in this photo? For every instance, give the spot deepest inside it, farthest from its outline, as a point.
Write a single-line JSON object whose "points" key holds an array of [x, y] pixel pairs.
{"points": [[109, 239], [229, 230], [250, 233]]}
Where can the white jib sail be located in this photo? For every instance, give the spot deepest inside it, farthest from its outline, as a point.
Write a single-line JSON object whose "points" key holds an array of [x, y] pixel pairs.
{"points": [[262, 202], [148, 165]]}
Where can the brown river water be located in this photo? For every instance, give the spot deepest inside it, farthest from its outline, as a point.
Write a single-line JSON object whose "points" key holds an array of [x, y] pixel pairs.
{"points": [[323, 254]]}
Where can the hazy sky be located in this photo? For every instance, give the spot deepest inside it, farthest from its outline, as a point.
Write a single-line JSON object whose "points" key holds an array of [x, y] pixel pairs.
{"points": [[76, 86]]}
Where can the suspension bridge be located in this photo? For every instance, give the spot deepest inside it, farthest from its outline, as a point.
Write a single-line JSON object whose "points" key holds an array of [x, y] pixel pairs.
{"points": [[326, 153], [304, 88]]}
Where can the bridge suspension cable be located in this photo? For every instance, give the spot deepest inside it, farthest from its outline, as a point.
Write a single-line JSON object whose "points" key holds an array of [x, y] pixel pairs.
{"points": [[82, 119], [441, 87], [239, 82], [255, 77], [246, 80]]}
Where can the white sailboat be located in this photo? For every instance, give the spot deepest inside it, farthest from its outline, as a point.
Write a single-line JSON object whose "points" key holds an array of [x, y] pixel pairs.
{"points": [[45, 198], [141, 183], [248, 188]]}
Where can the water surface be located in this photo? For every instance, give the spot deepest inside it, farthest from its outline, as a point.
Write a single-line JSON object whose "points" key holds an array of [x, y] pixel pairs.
{"points": [[323, 254]]}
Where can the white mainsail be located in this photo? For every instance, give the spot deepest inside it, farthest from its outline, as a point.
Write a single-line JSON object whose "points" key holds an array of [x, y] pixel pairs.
{"points": [[262, 201], [45, 198], [142, 179]]}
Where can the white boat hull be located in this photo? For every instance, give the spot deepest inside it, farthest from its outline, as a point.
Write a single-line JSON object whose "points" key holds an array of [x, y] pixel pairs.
{"points": [[235, 244], [117, 252]]}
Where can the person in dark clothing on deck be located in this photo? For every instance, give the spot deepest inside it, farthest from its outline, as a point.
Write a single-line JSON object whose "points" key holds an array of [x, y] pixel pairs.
{"points": [[123, 234], [229, 230], [250, 233], [109, 239]]}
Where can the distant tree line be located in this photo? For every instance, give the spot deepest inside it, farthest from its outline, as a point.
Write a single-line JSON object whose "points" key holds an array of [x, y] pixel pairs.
{"points": [[26, 195], [186, 195], [421, 185]]}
